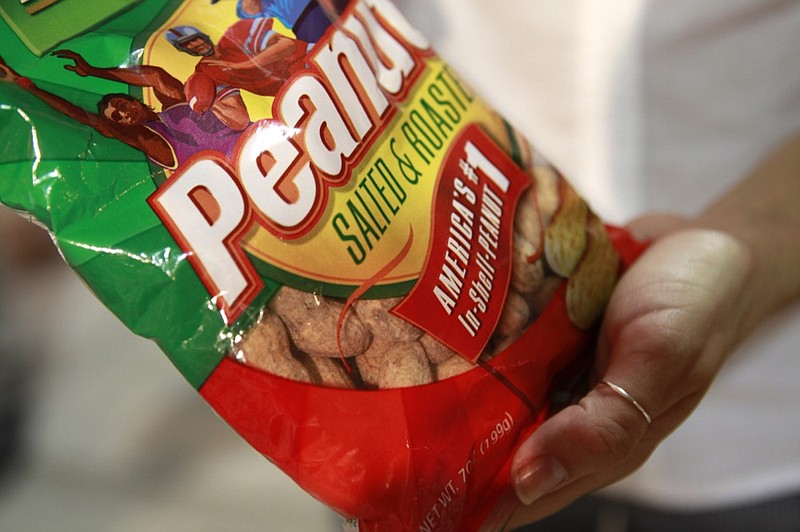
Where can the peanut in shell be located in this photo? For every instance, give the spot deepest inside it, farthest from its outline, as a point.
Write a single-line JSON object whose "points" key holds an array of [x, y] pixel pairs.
{"points": [[266, 346], [386, 328], [435, 350], [548, 197], [405, 365], [565, 237], [527, 268], [313, 324], [369, 364], [452, 367], [329, 372], [515, 316], [590, 286], [528, 222]]}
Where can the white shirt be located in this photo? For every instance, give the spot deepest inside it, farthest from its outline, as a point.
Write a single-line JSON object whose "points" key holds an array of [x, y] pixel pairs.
{"points": [[658, 105]]}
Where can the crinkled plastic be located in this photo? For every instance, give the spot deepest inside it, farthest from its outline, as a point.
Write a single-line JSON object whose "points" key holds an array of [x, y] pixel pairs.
{"points": [[361, 267]]}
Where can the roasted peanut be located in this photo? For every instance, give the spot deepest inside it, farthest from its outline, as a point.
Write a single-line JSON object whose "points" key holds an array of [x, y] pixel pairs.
{"points": [[452, 367], [526, 274], [405, 365], [548, 198], [369, 364], [515, 317], [528, 223], [329, 372], [386, 328], [435, 350], [312, 321], [266, 346], [565, 237], [593, 280]]}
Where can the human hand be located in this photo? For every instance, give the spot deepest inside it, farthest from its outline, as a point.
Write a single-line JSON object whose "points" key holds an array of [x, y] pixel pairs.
{"points": [[672, 320], [80, 66]]}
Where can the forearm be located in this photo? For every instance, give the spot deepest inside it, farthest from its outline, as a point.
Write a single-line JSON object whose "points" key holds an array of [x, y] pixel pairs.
{"points": [[762, 212], [279, 48], [64, 107], [129, 76], [142, 76]]}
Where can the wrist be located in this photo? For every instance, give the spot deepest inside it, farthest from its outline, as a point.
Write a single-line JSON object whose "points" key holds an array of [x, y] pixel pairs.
{"points": [[761, 212], [772, 279]]}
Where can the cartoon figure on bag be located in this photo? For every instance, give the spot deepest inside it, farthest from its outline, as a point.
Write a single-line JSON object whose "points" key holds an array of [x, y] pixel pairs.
{"points": [[168, 137], [306, 18], [251, 55]]}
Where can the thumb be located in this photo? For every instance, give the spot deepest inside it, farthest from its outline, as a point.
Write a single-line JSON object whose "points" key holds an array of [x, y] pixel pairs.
{"points": [[579, 447]]}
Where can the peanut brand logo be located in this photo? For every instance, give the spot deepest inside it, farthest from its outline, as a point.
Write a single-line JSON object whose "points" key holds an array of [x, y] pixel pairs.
{"points": [[281, 171]]}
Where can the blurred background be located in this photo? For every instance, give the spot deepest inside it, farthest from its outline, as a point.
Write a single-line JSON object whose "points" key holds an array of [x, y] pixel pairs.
{"points": [[99, 432]]}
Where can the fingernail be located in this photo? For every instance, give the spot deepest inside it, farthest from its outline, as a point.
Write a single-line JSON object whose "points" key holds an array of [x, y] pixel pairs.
{"points": [[538, 478]]}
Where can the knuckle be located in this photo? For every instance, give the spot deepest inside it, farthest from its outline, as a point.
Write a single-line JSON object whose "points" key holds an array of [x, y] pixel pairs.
{"points": [[615, 441]]}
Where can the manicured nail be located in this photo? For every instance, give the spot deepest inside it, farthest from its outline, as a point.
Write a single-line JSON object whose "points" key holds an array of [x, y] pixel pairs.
{"points": [[538, 478]]}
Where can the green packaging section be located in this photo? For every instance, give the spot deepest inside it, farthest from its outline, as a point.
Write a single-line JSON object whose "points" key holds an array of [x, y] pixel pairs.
{"points": [[91, 193]]}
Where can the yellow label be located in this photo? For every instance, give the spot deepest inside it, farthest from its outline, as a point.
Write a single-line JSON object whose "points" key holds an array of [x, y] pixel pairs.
{"points": [[309, 163], [389, 197]]}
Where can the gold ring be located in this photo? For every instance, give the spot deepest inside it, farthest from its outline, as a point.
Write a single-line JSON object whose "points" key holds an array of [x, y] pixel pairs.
{"points": [[624, 394]]}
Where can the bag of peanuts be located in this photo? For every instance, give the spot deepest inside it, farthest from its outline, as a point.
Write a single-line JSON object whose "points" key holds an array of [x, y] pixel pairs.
{"points": [[362, 268]]}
